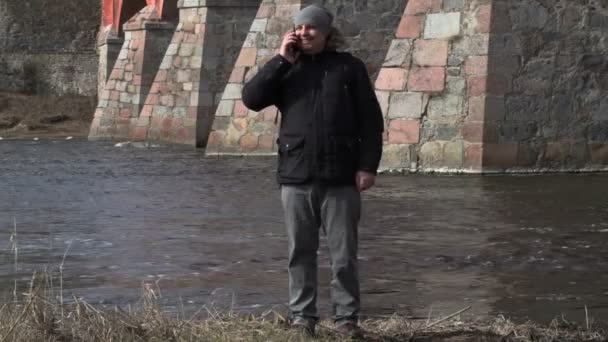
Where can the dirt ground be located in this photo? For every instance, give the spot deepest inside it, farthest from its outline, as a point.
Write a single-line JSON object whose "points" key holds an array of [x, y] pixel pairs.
{"points": [[35, 116]]}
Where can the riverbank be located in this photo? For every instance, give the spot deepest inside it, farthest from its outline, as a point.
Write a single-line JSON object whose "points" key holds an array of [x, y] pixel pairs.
{"points": [[35, 116], [39, 316]]}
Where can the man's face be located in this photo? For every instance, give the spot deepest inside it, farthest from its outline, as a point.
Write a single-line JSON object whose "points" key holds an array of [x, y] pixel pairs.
{"points": [[312, 40]]}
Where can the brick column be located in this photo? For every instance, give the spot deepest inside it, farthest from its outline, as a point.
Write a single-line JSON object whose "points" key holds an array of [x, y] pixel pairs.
{"points": [[439, 48], [146, 38], [235, 128], [190, 79], [108, 48]]}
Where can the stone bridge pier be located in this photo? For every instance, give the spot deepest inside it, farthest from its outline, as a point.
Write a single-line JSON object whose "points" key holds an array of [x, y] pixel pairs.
{"points": [[464, 85]]}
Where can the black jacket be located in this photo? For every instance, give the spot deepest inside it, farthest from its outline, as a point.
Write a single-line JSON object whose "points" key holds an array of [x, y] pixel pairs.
{"points": [[331, 124]]}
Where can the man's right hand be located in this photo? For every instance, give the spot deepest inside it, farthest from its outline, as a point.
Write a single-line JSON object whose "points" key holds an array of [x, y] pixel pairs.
{"points": [[290, 40]]}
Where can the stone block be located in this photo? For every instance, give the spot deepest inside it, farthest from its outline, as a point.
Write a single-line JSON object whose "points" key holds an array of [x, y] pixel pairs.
{"points": [[432, 52], [247, 57], [453, 154], [398, 53], [446, 105], [406, 105], [473, 157], [414, 7], [248, 142], [391, 79], [233, 91], [239, 109], [476, 66], [404, 131], [500, 156], [186, 50], [237, 75], [453, 5], [395, 157], [225, 108], [431, 79], [455, 85], [259, 25], [383, 99], [183, 76], [473, 131], [483, 16], [442, 25], [410, 27], [599, 153]]}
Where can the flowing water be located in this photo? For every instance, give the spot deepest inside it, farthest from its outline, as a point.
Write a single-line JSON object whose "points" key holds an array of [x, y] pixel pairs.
{"points": [[209, 230]]}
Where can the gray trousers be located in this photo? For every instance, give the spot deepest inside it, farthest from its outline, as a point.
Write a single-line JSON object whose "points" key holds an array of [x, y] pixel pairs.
{"points": [[335, 209]]}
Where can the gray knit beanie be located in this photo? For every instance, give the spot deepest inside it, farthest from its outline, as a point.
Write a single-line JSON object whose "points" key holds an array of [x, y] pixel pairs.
{"points": [[317, 16]]}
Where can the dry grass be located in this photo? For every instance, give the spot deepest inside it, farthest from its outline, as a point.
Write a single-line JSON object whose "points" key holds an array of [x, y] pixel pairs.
{"points": [[39, 315]]}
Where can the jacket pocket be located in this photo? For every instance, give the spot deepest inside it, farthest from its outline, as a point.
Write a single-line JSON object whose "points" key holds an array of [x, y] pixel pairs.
{"points": [[293, 165]]}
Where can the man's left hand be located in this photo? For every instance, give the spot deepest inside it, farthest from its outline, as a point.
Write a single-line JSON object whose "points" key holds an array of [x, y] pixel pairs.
{"points": [[365, 180]]}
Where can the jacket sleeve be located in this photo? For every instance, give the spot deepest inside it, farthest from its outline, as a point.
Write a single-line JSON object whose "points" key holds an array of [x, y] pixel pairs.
{"points": [[263, 89], [371, 122]]}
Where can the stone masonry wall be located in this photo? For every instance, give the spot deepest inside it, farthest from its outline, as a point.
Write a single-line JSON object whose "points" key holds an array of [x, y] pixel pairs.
{"points": [[235, 128], [195, 69], [44, 51], [120, 102], [464, 85], [547, 84]]}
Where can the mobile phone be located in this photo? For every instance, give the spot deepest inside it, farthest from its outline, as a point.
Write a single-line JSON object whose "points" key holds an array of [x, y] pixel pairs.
{"points": [[295, 47]]}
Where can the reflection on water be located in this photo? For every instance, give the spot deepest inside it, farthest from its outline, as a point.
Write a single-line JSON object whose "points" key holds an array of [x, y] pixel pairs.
{"points": [[210, 230]]}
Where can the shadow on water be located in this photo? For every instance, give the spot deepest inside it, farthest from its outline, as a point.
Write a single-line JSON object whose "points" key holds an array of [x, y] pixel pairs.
{"points": [[210, 230]]}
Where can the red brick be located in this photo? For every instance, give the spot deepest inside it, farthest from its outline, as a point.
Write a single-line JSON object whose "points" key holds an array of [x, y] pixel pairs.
{"points": [[110, 85], [215, 138], [410, 27], [472, 131], [473, 156], [391, 79], [163, 88], [146, 111], [477, 85], [427, 79], [248, 142], [432, 52], [418, 6], [140, 133], [137, 80], [476, 65], [484, 14], [404, 131], [125, 113], [270, 113], [237, 75], [477, 107], [247, 57], [266, 142], [177, 62], [239, 109], [152, 99], [161, 76], [192, 112], [166, 123], [500, 155]]}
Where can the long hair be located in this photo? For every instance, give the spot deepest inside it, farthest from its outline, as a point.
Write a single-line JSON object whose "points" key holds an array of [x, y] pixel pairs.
{"points": [[335, 40]]}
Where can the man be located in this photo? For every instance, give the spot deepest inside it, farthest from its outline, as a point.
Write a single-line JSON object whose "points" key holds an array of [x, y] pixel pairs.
{"points": [[330, 144]]}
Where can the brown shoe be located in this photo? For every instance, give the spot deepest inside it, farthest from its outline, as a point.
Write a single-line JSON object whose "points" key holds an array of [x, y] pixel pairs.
{"points": [[350, 329], [306, 327]]}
